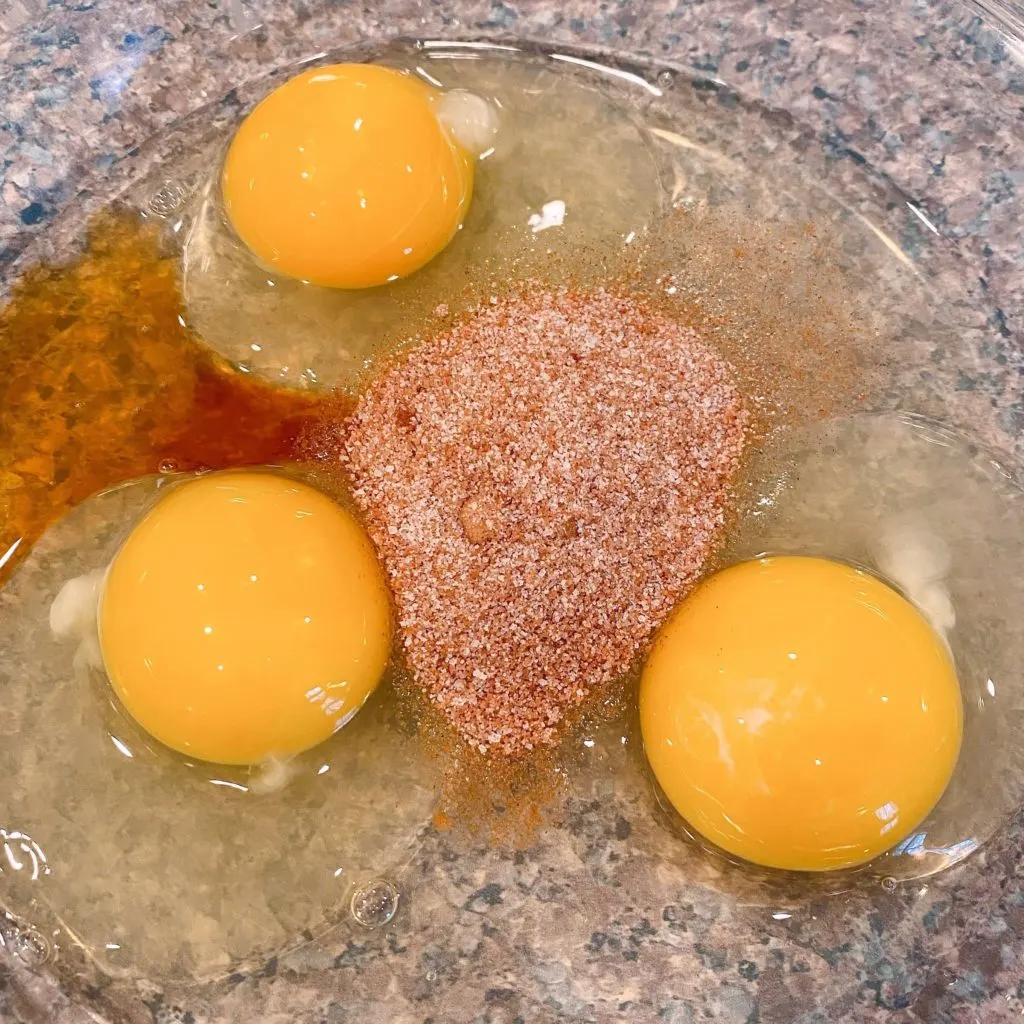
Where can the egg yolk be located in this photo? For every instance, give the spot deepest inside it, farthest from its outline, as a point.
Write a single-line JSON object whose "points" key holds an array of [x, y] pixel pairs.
{"points": [[244, 617], [800, 713], [345, 177]]}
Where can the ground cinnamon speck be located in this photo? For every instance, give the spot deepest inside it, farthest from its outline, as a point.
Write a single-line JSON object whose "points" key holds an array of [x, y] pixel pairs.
{"points": [[543, 483]]}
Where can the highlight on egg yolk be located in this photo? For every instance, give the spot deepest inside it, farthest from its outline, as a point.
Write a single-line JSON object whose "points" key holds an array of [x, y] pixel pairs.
{"points": [[800, 713], [244, 617], [345, 177]]}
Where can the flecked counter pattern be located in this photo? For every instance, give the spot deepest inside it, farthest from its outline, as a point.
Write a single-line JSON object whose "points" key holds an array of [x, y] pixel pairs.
{"points": [[577, 927]]}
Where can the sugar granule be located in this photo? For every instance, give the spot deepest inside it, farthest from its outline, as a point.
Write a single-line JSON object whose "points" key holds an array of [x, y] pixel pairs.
{"points": [[543, 483]]}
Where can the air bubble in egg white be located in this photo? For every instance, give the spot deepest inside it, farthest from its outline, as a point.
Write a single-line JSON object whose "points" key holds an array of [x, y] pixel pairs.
{"points": [[29, 946], [374, 903]]}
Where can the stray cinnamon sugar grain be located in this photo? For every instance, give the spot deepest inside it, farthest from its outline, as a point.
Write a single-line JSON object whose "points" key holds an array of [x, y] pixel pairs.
{"points": [[543, 483]]}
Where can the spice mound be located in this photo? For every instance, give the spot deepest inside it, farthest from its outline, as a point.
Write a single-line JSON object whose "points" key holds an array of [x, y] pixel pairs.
{"points": [[543, 483]]}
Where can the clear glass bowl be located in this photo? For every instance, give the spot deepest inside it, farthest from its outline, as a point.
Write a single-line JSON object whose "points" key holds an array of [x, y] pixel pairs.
{"points": [[608, 914]]}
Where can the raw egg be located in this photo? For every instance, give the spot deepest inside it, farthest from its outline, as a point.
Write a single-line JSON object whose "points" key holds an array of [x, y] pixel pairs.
{"points": [[245, 617], [345, 177], [800, 713]]}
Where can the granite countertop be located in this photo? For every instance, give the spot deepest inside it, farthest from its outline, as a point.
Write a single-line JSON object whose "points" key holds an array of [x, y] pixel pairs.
{"points": [[921, 92]]}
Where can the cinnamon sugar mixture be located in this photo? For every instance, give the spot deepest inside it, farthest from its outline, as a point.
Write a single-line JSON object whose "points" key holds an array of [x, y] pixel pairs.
{"points": [[543, 484]]}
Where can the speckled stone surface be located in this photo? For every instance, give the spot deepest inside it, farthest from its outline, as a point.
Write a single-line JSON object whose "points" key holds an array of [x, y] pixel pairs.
{"points": [[577, 927]]}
